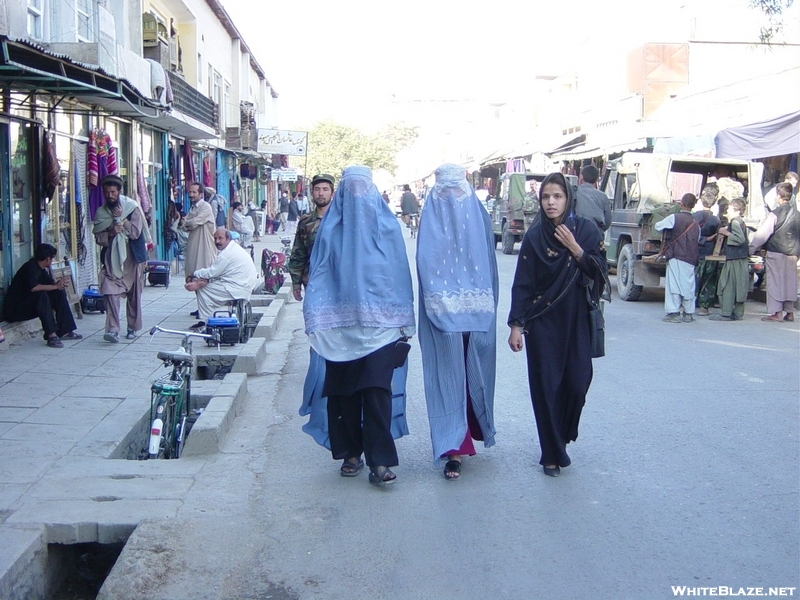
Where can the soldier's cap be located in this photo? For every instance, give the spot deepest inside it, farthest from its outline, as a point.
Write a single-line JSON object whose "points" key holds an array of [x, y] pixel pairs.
{"points": [[323, 177], [111, 180]]}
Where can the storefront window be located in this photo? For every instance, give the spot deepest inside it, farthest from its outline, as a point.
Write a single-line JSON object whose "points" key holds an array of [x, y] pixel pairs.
{"points": [[59, 223], [21, 192], [16, 239]]}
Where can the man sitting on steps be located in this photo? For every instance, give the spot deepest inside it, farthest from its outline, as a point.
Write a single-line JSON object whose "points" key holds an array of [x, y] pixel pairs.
{"points": [[231, 276], [34, 293]]}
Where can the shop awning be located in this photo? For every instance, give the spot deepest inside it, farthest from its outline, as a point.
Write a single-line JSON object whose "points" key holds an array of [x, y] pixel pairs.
{"points": [[24, 66], [773, 137], [573, 143], [27, 67]]}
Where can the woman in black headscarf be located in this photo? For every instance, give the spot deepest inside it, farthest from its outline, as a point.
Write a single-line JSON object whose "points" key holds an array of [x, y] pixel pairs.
{"points": [[558, 262]]}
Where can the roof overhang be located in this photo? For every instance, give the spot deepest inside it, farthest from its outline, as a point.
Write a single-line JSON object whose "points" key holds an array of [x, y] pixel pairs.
{"points": [[25, 67], [571, 143]]}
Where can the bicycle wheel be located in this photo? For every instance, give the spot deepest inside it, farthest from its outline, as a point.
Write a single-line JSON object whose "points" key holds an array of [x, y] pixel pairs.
{"points": [[182, 414], [244, 312], [161, 427]]}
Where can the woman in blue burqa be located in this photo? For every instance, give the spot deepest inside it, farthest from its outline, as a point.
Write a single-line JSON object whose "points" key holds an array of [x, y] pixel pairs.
{"points": [[458, 291], [558, 261], [358, 305]]}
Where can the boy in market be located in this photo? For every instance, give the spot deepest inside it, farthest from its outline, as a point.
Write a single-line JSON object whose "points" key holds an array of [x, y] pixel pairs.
{"points": [[734, 280]]}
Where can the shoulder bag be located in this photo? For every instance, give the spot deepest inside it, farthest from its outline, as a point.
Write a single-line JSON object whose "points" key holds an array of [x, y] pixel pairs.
{"points": [[597, 328]]}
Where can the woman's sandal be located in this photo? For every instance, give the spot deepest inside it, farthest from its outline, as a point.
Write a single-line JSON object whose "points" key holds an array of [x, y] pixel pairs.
{"points": [[452, 470], [381, 476], [350, 468]]}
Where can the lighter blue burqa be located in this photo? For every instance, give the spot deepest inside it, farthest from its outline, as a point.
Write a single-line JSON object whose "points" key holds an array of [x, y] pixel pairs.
{"points": [[359, 294], [458, 289]]}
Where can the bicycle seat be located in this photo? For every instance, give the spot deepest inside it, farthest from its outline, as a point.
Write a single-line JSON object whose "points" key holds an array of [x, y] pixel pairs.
{"points": [[176, 356]]}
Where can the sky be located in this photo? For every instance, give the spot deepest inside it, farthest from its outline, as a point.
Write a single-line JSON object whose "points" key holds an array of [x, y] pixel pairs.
{"points": [[342, 58], [346, 59]]}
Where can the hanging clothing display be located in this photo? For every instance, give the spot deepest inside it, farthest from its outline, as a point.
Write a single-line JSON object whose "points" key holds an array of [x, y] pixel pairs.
{"points": [[141, 188], [52, 169], [102, 161], [207, 180], [189, 174]]}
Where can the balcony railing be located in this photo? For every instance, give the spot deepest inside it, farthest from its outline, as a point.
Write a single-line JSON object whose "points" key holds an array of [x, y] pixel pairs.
{"points": [[192, 103]]}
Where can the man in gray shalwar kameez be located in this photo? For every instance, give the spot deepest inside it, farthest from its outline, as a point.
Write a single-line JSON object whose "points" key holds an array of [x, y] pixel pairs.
{"points": [[779, 235], [119, 229], [458, 284], [201, 224]]}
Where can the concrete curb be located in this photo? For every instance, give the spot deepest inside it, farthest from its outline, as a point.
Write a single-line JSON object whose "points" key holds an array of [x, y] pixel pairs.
{"points": [[19, 332], [23, 562], [250, 356], [214, 423]]}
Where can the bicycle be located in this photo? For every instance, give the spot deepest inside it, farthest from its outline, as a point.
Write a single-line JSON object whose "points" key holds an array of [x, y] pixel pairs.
{"points": [[286, 248], [413, 224], [171, 397]]}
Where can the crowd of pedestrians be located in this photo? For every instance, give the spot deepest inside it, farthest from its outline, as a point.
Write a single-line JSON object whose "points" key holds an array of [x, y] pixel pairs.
{"points": [[349, 266], [708, 253], [359, 317]]}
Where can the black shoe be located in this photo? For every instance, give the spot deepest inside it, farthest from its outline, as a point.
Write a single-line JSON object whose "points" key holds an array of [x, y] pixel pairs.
{"points": [[552, 471], [195, 314], [198, 326]]}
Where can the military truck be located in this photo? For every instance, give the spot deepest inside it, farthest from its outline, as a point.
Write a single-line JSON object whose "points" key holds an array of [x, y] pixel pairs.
{"points": [[516, 206], [645, 188]]}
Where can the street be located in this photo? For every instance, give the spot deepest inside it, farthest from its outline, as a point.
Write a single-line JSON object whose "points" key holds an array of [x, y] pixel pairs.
{"points": [[685, 474]]}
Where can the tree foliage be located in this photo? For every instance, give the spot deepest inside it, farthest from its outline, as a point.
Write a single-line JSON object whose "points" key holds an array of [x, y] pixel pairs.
{"points": [[773, 10], [332, 147]]}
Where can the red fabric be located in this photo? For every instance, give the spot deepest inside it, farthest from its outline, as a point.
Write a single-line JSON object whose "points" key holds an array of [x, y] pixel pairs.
{"points": [[91, 162], [189, 175], [207, 172]]}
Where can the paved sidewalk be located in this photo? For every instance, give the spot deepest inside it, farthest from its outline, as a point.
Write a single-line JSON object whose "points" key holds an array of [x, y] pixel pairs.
{"points": [[64, 412]]}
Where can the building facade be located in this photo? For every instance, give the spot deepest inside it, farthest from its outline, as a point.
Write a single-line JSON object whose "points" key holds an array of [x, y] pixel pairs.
{"points": [[144, 89]]}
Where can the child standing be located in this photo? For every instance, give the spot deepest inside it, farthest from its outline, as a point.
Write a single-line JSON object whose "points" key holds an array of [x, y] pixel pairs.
{"points": [[734, 280]]}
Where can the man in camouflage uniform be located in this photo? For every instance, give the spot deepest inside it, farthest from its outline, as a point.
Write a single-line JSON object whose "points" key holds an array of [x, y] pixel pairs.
{"points": [[321, 193], [530, 204]]}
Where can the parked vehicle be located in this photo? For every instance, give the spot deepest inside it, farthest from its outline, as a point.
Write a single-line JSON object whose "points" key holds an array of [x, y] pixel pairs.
{"points": [[645, 188], [515, 207]]}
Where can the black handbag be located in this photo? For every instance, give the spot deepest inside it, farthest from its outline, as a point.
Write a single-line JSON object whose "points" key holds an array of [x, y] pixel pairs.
{"points": [[401, 349], [597, 328]]}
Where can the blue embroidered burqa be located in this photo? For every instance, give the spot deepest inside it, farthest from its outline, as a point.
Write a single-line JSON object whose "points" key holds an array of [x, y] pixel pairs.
{"points": [[359, 293], [458, 288]]}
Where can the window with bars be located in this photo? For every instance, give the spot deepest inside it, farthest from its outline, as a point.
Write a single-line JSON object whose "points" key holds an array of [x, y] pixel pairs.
{"points": [[84, 20], [216, 96], [35, 20], [226, 112]]}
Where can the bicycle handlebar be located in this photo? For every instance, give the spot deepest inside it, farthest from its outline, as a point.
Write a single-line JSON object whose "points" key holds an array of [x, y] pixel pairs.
{"points": [[158, 328]]}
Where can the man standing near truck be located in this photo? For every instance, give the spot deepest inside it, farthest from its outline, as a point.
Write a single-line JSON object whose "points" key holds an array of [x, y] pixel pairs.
{"points": [[591, 203], [706, 272], [681, 251]]}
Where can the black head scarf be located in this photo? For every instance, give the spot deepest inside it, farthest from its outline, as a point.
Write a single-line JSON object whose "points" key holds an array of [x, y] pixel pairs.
{"points": [[545, 268]]}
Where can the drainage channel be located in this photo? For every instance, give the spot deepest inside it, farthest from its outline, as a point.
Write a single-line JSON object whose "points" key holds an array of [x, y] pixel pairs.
{"points": [[211, 364], [77, 571]]}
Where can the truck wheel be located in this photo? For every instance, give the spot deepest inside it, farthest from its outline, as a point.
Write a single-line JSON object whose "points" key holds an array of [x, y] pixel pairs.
{"points": [[508, 242], [627, 291]]}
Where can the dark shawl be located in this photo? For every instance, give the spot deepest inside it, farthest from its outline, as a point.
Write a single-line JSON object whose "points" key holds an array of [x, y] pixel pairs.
{"points": [[546, 270], [549, 301]]}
